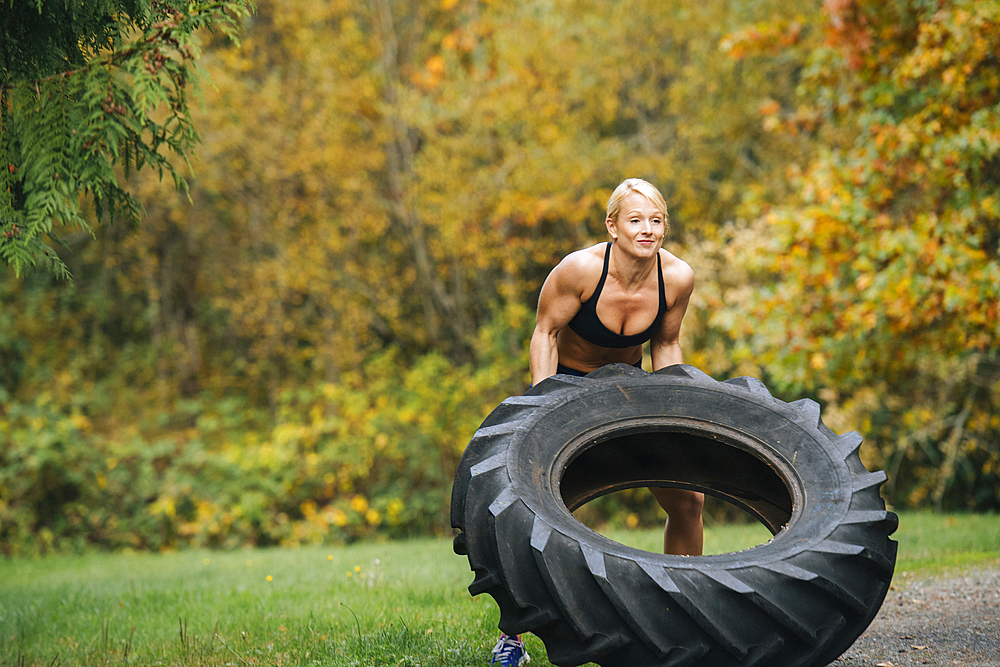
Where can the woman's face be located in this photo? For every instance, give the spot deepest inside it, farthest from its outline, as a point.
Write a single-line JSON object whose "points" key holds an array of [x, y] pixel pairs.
{"points": [[640, 226]]}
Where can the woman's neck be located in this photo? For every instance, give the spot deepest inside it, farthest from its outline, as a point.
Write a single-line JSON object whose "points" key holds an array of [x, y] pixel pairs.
{"points": [[628, 270]]}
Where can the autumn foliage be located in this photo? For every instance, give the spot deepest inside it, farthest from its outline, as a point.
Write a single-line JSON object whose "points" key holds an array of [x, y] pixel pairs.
{"points": [[299, 350], [882, 273]]}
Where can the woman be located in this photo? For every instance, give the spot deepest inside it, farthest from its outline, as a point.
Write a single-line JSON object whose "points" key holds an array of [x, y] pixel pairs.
{"points": [[599, 306]]}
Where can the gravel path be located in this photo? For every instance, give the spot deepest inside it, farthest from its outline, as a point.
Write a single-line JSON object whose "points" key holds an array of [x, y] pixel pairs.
{"points": [[949, 620]]}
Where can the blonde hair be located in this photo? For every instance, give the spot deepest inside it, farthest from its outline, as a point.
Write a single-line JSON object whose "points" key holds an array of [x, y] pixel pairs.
{"points": [[647, 190]]}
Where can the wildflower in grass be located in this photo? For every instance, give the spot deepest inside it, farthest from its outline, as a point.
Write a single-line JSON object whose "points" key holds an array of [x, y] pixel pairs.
{"points": [[329, 557], [269, 578]]}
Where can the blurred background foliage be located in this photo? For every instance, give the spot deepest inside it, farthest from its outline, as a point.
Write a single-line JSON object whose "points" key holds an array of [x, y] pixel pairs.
{"points": [[298, 348]]}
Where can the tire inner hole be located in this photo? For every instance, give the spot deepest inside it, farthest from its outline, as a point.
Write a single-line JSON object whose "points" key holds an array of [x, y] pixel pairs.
{"points": [[740, 486]]}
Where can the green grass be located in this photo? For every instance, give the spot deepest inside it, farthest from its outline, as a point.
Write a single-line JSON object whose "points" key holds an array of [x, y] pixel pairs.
{"points": [[932, 543], [402, 604]]}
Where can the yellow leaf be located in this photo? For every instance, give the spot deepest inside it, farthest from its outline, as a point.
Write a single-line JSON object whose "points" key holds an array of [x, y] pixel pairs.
{"points": [[818, 361]]}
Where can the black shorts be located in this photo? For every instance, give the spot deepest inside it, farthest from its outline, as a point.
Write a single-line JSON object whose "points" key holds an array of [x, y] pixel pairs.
{"points": [[566, 370]]}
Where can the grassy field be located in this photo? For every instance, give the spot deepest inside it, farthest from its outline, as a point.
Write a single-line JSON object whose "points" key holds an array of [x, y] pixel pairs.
{"points": [[401, 604]]}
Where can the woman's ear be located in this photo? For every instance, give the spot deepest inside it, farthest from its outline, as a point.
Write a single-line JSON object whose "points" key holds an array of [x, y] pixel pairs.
{"points": [[612, 228]]}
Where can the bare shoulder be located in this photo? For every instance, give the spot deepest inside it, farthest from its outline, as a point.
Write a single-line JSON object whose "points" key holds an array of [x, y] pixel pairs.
{"points": [[676, 272], [584, 259], [581, 268], [569, 284]]}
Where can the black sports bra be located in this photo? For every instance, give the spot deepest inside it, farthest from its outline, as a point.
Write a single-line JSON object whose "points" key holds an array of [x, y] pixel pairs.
{"points": [[588, 326]]}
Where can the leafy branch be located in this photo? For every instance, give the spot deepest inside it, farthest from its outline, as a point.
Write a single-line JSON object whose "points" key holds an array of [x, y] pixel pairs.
{"points": [[83, 131]]}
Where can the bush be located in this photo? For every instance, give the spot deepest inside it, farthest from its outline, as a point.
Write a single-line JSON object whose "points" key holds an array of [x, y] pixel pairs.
{"points": [[374, 455], [62, 488]]}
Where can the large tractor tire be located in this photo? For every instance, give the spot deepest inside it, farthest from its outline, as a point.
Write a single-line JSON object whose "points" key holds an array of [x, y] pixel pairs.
{"points": [[799, 600]]}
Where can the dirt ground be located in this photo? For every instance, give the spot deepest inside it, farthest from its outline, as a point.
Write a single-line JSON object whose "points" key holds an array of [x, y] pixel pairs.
{"points": [[953, 619]]}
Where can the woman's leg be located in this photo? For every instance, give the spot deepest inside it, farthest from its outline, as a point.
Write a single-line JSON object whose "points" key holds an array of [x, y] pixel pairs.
{"points": [[683, 533]]}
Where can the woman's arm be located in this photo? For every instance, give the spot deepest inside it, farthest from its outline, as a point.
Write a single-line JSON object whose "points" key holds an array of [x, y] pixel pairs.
{"points": [[558, 302], [665, 348], [543, 355]]}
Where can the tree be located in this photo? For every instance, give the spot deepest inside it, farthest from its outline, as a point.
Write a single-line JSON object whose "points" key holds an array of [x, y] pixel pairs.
{"points": [[881, 276], [89, 93], [349, 280]]}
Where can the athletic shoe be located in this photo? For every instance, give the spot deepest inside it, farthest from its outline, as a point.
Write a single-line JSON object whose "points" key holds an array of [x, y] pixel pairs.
{"points": [[509, 652]]}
